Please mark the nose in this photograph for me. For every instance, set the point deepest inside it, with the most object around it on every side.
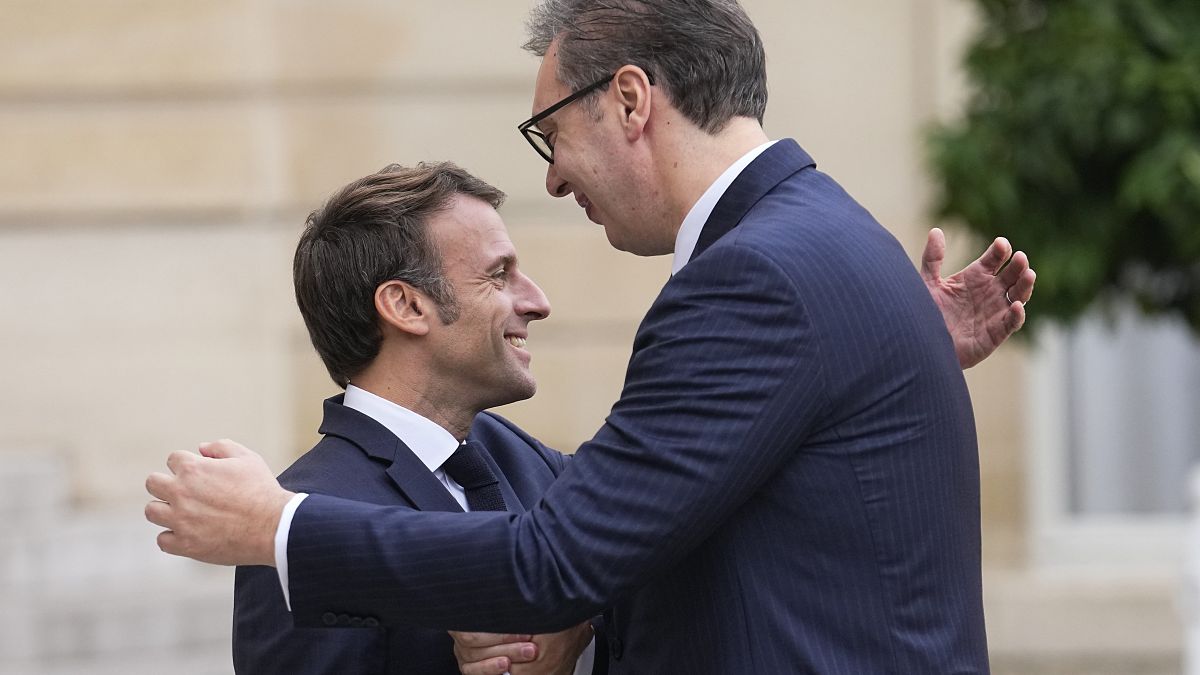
(532, 302)
(556, 186)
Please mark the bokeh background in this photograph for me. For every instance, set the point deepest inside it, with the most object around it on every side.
(157, 159)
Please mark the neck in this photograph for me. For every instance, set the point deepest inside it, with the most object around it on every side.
(694, 159)
(419, 396)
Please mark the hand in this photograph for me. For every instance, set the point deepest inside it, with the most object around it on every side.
(548, 654)
(491, 653)
(980, 307)
(557, 653)
(222, 507)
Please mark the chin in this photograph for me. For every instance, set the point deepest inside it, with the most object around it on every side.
(513, 393)
(638, 240)
(638, 248)
(614, 241)
(527, 391)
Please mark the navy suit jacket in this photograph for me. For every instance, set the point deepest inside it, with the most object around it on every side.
(358, 458)
(789, 482)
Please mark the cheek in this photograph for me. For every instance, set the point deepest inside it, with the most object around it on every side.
(579, 162)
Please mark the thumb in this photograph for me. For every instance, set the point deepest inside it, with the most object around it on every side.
(934, 254)
(225, 449)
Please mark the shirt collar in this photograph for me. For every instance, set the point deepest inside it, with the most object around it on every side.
(689, 232)
(432, 444)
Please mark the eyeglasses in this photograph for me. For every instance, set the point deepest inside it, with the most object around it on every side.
(536, 138)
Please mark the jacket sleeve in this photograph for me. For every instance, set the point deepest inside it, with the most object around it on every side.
(265, 641)
(724, 383)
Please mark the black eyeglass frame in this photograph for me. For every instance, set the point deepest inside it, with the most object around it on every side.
(527, 127)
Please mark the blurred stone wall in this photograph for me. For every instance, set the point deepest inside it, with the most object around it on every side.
(157, 159)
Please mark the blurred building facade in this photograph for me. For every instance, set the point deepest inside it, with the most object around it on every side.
(158, 161)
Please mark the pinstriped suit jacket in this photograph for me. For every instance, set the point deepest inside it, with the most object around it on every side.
(788, 484)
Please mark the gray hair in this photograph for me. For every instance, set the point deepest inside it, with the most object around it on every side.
(706, 55)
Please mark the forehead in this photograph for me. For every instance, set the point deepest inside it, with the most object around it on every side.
(547, 88)
(469, 233)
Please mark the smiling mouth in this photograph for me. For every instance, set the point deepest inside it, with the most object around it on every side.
(515, 341)
(586, 205)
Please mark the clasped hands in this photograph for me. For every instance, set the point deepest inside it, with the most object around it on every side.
(494, 654)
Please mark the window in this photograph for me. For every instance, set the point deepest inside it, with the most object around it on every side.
(1114, 432)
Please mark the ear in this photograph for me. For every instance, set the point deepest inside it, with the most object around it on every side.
(403, 308)
(633, 91)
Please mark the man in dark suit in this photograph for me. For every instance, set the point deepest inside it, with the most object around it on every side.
(789, 482)
(389, 273)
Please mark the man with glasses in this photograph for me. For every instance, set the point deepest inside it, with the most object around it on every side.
(541, 142)
(789, 482)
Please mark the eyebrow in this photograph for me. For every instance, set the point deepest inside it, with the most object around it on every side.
(506, 260)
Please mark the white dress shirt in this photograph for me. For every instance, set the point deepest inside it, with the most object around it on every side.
(432, 444)
(689, 231)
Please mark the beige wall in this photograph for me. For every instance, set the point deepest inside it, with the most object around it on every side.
(159, 157)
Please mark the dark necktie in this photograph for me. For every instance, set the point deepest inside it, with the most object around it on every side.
(469, 469)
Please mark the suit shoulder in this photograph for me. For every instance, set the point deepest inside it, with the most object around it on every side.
(499, 433)
(331, 467)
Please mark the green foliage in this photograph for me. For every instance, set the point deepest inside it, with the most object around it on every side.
(1081, 143)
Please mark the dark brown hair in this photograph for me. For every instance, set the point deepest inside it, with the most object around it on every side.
(369, 232)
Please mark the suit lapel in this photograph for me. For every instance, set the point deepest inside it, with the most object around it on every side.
(769, 169)
(410, 475)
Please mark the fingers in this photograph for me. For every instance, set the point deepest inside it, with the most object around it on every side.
(479, 653)
(935, 253)
(168, 543)
(476, 640)
(1014, 318)
(224, 449)
(496, 666)
(996, 255)
(1018, 280)
(160, 486)
(1022, 289)
(159, 513)
(1015, 268)
(179, 459)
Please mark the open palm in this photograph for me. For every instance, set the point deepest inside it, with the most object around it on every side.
(982, 304)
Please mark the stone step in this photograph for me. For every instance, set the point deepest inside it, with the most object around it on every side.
(120, 618)
(202, 662)
(89, 592)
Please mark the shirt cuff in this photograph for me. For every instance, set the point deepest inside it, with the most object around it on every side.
(281, 542)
